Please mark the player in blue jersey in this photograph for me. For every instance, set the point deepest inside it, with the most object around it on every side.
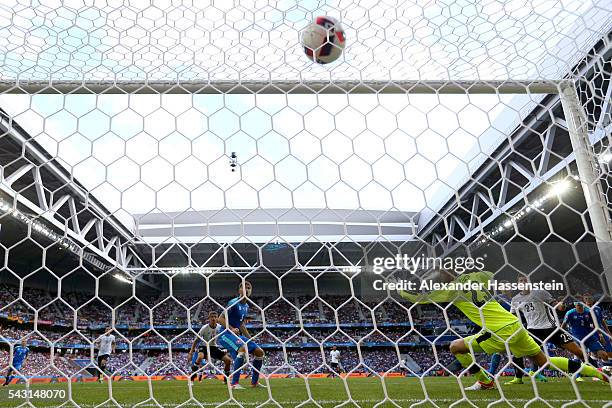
(606, 336)
(236, 339)
(20, 353)
(582, 327)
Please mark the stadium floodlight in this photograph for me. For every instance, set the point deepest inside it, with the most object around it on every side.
(193, 271)
(557, 189)
(4, 206)
(122, 278)
(605, 158)
(36, 225)
(349, 269)
(560, 187)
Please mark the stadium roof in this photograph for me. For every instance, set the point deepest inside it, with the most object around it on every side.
(292, 224)
(142, 160)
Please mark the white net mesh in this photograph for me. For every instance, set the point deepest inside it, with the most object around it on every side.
(250, 41)
(155, 156)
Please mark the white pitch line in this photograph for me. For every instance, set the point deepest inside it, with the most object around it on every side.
(339, 402)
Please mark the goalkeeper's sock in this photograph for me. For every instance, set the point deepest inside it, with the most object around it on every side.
(454, 366)
(519, 367)
(238, 362)
(226, 376)
(467, 361)
(593, 362)
(257, 364)
(572, 366)
(494, 364)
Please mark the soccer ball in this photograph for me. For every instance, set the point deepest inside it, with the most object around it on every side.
(323, 40)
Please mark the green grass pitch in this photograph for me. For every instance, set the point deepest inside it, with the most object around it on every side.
(365, 392)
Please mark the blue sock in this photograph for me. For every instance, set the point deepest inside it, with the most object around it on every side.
(9, 376)
(257, 363)
(238, 362)
(495, 360)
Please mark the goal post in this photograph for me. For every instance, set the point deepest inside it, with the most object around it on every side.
(587, 164)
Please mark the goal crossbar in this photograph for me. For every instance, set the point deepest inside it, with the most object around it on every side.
(283, 87)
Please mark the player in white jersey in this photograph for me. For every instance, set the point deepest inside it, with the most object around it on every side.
(208, 336)
(539, 314)
(334, 356)
(106, 348)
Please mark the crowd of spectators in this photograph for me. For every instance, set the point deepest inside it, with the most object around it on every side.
(56, 317)
(278, 310)
(41, 364)
(179, 310)
(125, 364)
(164, 310)
(46, 338)
(176, 363)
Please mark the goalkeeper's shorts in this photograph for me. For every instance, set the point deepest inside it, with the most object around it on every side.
(514, 335)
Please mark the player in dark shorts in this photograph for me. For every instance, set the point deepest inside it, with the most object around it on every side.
(215, 352)
(106, 347)
(208, 336)
(537, 307)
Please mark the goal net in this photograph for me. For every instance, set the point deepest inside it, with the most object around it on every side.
(172, 169)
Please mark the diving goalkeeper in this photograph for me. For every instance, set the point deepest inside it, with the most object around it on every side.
(499, 328)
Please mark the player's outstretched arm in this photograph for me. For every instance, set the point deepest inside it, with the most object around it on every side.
(600, 321)
(605, 329)
(245, 331)
(605, 326)
(565, 319)
(221, 320)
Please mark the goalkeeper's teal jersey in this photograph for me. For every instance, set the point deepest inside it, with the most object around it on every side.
(478, 305)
